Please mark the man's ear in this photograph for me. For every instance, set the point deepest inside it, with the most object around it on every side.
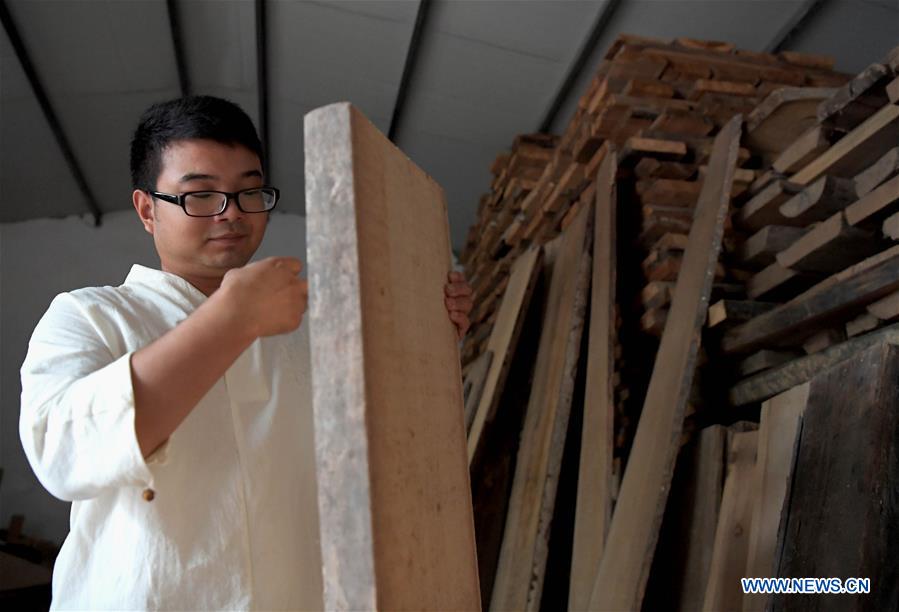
(143, 204)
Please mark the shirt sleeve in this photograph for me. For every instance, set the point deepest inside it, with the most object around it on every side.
(77, 417)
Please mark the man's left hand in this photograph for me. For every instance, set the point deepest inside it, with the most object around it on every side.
(458, 302)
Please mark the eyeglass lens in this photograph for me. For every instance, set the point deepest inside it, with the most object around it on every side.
(210, 203)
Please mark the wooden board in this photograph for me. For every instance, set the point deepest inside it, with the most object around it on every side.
(761, 248)
(818, 201)
(504, 339)
(842, 513)
(797, 371)
(764, 208)
(856, 150)
(633, 533)
(778, 427)
(783, 116)
(519, 578)
(884, 168)
(876, 205)
(830, 246)
(796, 319)
(594, 496)
(728, 565)
(684, 553)
(803, 150)
(473, 385)
(724, 314)
(397, 529)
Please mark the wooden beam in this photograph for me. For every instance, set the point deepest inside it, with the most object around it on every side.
(594, 497)
(762, 248)
(856, 150)
(795, 319)
(778, 428)
(397, 528)
(633, 533)
(43, 100)
(795, 372)
(803, 150)
(876, 205)
(399, 105)
(504, 340)
(522, 562)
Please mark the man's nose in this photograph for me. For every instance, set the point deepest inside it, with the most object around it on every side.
(232, 211)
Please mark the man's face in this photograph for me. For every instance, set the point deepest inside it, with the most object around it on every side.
(204, 247)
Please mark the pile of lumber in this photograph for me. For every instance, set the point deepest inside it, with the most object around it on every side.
(581, 249)
(820, 229)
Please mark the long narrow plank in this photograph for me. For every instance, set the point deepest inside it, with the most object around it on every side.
(504, 339)
(634, 530)
(732, 533)
(856, 145)
(842, 512)
(473, 385)
(397, 529)
(519, 578)
(832, 245)
(594, 497)
(795, 372)
(778, 427)
(808, 311)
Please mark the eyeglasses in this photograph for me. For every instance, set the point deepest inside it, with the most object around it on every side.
(212, 203)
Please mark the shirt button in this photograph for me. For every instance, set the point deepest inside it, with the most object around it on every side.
(149, 494)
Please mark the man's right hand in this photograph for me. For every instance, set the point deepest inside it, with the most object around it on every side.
(266, 297)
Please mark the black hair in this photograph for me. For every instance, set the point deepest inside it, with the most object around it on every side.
(191, 117)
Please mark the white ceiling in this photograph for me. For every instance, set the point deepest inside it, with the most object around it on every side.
(485, 71)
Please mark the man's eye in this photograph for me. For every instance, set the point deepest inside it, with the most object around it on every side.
(203, 196)
(252, 193)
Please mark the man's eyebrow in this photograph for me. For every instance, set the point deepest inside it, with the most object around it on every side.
(193, 176)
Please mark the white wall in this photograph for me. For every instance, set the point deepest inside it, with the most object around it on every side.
(38, 260)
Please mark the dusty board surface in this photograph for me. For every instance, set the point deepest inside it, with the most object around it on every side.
(394, 495)
(633, 533)
(594, 497)
(524, 550)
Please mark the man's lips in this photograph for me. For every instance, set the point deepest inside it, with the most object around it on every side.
(228, 238)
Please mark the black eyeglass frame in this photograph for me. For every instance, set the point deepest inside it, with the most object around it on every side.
(178, 199)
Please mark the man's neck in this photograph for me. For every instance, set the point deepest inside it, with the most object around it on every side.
(207, 285)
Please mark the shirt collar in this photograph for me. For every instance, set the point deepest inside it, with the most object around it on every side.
(164, 282)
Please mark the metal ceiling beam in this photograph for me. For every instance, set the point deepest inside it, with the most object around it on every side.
(424, 7)
(262, 80)
(178, 44)
(794, 25)
(49, 113)
(580, 62)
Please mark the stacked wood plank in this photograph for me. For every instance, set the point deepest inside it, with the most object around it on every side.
(630, 169)
(819, 237)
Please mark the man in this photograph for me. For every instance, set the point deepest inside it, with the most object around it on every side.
(174, 411)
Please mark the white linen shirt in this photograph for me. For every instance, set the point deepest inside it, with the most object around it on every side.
(233, 523)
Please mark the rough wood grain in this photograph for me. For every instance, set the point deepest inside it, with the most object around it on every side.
(783, 116)
(519, 578)
(842, 512)
(778, 426)
(594, 496)
(397, 529)
(633, 533)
